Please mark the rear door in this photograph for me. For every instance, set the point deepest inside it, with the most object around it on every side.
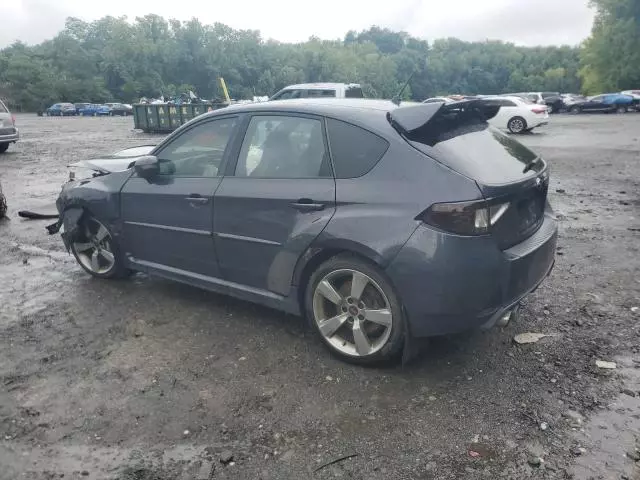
(168, 220)
(595, 104)
(275, 201)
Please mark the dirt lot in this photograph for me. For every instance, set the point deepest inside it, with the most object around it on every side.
(145, 379)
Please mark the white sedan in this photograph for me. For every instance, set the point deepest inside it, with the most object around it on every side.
(516, 114)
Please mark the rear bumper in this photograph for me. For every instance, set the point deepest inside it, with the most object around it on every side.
(11, 137)
(449, 284)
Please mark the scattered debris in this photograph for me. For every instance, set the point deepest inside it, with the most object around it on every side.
(629, 392)
(524, 338)
(474, 454)
(635, 309)
(337, 460)
(544, 426)
(560, 190)
(535, 461)
(579, 322)
(226, 457)
(634, 455)
(606, 365)
(186, 433)
(578, 451)
(575, 419)
(328, 378)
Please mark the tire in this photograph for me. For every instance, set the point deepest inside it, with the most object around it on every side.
(351, 335)
(621, 109)
(3, 206)
(94, 242)
(3, 147)
(551, 108)
(517, 125)
(575, 110)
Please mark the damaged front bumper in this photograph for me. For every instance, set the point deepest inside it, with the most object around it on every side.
(67, 225)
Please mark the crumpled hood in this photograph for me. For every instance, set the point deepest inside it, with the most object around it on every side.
(116, 162)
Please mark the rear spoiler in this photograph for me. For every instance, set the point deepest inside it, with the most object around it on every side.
(408, 120)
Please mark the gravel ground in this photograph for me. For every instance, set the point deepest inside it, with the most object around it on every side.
(149, 380)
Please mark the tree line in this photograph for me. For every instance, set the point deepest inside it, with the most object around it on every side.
(113, 59)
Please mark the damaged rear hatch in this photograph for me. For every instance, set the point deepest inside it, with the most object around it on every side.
(513, 179)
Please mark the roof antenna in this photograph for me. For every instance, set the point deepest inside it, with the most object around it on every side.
(398, 98)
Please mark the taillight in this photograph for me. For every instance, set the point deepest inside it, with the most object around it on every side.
(464, 218)
(539, 109)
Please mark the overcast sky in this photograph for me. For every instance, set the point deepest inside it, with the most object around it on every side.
(525, 22)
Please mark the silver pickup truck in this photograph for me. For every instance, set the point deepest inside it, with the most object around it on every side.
(320, 90)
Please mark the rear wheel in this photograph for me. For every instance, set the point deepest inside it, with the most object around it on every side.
(517, 125)
(551, 108)
(621, 109)
(3, 147)
(575, 110)
(355, 311)
(97, 251)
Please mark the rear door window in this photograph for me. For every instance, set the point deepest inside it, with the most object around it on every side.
(354, 92)
(355, 151)
(315, 93)
(3, 109)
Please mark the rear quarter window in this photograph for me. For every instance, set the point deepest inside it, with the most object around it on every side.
(355, 151)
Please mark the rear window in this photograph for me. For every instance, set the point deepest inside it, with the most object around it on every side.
(3, 109)
(473, 148)
(354, 92)
(315, 93)
(355, 151)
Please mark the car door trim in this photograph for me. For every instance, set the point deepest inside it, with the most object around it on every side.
(231, 236)
(169, 227)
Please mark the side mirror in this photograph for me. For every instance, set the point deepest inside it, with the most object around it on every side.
(147, 166)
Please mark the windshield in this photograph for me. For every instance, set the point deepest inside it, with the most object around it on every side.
(354, 92)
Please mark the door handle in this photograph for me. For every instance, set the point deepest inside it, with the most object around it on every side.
(197, 198)
(307, 205)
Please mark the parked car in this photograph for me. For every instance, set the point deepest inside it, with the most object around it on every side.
(515, 114)
(632, 93)
(570, 99)
(61, 110)
(120, 109)
(80, 107)
(608, 103)
(8, 131)
(314, 90)
(378, 223)
(553, 100)
(94, 110)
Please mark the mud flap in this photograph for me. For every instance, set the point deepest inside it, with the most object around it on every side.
(69, 219)
(410, 350)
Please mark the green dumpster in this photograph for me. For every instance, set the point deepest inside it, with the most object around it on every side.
(165, 118)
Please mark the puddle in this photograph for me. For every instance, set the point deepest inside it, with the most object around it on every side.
(612, 433)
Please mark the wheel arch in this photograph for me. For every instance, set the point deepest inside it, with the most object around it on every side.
(320, 253)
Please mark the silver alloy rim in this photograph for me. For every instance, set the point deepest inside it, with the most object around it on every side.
(352, 312)
(94, 248)
(516, 125)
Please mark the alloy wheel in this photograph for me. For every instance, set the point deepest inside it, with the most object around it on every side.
(352, 312)
(94, 247)
(516, 125)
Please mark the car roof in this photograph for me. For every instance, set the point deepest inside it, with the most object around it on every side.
(319, 86)
(507, 97)
(366, 112)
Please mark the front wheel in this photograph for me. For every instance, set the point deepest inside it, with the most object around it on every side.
(551, 108)
(575, 110)
(355, 311)
(517, 125)
(621, 109)
(96, 250)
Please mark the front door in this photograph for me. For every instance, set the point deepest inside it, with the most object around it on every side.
(280, 197)
(168, 220)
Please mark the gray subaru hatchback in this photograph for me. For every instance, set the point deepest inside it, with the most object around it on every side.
(379, 223)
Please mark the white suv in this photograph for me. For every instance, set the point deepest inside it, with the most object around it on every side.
(8, 131)
(320, 90)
